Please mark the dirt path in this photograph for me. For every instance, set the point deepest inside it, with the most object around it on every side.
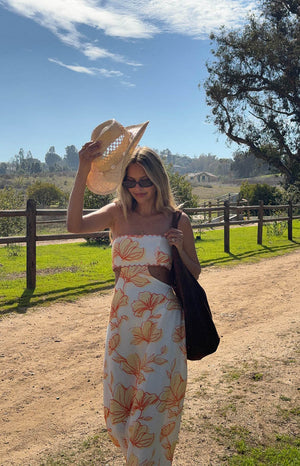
(51, 370)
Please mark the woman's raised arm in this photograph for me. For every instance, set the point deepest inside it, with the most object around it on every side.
(96, 221)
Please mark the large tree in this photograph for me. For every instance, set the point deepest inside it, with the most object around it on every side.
(253, 85)
(53, 160)
(71, 157)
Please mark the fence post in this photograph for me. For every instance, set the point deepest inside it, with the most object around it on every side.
(209, 212)
(260, 222)
(238, 211)
(31, 244)
(290, 221)
(226, 227)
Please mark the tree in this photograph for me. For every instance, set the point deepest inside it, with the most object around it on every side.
(3, 168)
(246, 165)
(182, 189)
(46, 194)
(253, 86)
(53, 160)
(28, 164)
(18, 160)
(71, 157)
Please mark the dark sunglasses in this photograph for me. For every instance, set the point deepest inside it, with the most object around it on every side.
(143, 183)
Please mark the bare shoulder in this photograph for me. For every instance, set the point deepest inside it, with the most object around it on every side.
(105, 217)
(113, 208)
(184, 221)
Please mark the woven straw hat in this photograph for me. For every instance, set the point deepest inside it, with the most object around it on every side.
(118, 144)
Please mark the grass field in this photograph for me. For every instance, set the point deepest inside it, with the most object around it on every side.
(68, 271)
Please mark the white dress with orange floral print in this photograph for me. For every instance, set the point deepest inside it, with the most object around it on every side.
(145, 367)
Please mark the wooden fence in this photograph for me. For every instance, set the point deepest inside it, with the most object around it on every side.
(226, 220)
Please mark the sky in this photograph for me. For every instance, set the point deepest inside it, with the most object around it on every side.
(69, 65)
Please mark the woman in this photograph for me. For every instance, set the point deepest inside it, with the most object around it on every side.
(145, 358)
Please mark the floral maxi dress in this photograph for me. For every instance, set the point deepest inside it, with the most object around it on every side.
(145, 368)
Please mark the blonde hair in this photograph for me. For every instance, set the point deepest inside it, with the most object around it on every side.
(156, 172)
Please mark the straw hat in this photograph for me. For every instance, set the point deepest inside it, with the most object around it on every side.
(118, 144)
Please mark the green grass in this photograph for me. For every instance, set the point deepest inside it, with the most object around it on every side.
(285, 453)
(64, 272)
(68, 271)
(243, 245)
(95, 450)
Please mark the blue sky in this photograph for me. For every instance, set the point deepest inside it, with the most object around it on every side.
(68, 65)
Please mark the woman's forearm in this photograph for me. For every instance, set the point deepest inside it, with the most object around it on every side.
(194, 268)
(75, 208)
(75, 221)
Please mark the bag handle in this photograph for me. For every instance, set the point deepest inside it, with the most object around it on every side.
(175, 218)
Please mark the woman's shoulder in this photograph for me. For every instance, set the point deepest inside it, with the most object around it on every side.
(113, 208)
(184, 220)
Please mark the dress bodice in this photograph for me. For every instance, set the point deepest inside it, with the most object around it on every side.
(131, 250)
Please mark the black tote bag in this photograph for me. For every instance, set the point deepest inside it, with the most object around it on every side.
(202, 337)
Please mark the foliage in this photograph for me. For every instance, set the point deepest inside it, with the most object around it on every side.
(270, 195)
(182, 189)
(204, 162)
(253, 86)
(71, 158)
(3, 168)
(26, 165)
(53, 160)
(96, 201)
(276, 228)
(10, 199)
(246, 165)
(46, 194)
(292, 193)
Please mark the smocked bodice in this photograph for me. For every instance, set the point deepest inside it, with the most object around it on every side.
(129, 250)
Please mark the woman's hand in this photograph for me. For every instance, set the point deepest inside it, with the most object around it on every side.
(89, 151)
(175, 238)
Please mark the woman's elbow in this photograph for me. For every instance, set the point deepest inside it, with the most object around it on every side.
(72, 228)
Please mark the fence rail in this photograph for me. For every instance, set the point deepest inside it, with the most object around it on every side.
(31, 213)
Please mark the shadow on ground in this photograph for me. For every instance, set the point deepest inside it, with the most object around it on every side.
(31, 298)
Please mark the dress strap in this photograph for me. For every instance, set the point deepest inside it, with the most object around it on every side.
(175, 218)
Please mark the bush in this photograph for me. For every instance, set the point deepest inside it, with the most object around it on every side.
(47, 194)
(96, 201)
(10, 199)
(270, 195)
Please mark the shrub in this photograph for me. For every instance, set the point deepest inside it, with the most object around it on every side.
(96, 201)
(10, 199)
(46, 194)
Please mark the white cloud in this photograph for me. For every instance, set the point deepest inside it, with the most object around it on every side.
(64, 18)
(77, 68)
(196, 18)
(94, 52)
(86, 70)
(132, 18)
(128, 19)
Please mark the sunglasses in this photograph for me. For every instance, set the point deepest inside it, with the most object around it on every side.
(143, 183)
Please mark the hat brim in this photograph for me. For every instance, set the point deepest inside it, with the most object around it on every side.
(100, 182)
